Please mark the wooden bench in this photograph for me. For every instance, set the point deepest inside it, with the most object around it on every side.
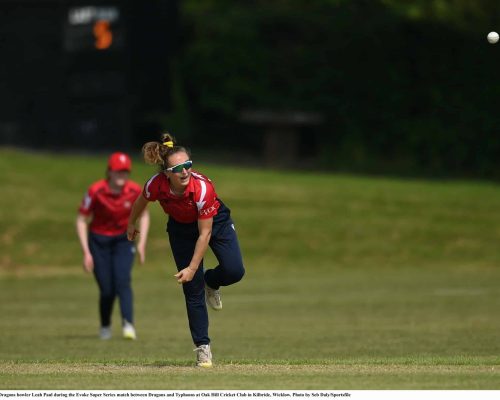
(281, 133)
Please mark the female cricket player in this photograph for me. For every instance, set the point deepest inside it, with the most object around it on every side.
(197, 219)
(101, 226)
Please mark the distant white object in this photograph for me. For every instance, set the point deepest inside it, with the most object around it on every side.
(492, 37)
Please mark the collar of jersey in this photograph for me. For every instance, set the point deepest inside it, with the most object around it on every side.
(107, 188)
(189, 189)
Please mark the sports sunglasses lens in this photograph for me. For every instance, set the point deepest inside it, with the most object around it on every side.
(179, 168)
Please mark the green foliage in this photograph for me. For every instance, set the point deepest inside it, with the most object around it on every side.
(250, 54)
(405, 87)
(463, 14)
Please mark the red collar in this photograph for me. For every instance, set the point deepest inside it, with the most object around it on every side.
(107, 188)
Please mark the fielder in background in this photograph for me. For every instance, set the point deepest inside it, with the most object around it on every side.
(197, 219)
(102, 229)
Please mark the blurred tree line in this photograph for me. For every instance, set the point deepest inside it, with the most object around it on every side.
(406, 88)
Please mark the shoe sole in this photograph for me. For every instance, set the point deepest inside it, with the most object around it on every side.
(204, 365)
(129, 337)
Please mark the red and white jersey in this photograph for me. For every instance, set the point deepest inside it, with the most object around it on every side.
(110, 211)
(198, 202)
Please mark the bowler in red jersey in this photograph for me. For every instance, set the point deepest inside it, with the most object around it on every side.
(101, 225)
(198, 219)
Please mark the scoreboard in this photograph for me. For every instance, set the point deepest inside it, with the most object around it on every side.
(89, 28)
(80, 74)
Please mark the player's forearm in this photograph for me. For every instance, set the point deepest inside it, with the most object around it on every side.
(138, 208)
(83, 233)
(144, 222)
(200, 249)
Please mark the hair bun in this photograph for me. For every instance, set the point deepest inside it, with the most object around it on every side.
(167, 137)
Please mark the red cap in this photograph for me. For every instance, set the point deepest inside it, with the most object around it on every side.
(119, 162)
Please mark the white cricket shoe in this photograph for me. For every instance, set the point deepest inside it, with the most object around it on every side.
(212, 297)
(203, 356)
(105, 333)
(129, 331)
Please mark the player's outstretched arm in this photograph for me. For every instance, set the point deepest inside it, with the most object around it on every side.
(137, 209)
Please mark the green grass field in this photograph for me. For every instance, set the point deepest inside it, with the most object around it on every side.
(352, 283)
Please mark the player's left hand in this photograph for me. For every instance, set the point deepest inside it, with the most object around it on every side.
(185, 275)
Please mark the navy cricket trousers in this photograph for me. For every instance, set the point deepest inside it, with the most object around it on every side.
(224, 244)
(113, 259)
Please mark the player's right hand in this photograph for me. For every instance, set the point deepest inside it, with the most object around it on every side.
(131, 232)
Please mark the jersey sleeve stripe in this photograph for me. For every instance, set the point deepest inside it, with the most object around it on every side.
(148, 194)
(87, 201)
(200, 203)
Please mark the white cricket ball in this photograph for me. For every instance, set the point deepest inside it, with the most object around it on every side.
(492, 37)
